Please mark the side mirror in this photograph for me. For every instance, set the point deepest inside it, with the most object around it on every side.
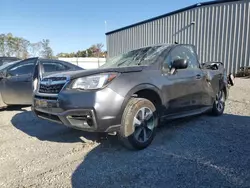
(180, 64)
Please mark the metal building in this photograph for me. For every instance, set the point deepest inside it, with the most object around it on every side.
(218, 29)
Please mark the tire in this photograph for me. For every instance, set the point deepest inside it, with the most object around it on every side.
(132, 131)
(219, 103)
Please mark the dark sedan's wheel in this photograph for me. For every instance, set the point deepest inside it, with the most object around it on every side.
(219, 103)
(139, 122)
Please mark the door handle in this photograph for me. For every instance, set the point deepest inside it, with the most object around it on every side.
(198, 76)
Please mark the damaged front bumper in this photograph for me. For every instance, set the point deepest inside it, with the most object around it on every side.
(97, 111)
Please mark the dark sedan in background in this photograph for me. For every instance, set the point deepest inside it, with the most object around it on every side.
(16, 78)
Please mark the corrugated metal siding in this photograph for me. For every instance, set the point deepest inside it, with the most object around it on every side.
(220, 33)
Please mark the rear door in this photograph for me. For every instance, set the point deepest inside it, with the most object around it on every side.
(17, 86)
(183, 88)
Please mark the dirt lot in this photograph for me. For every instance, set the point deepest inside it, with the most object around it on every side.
(198, 152)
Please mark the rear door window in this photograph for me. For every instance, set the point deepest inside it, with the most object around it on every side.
(54, 66)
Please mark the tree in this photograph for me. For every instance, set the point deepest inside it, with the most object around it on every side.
(95, 50)
(99, 47)
(47, 51)
(104, 54)
(36, 49)
(13, 46)
(22, 48)
(2, 44)
(9, 44)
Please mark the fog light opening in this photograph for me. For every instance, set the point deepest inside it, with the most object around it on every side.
(89, 120)
(81, 120)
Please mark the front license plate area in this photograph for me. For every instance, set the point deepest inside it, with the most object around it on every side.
(41, 103)
(45, 103)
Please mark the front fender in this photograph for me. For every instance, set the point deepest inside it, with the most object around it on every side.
(135, 89)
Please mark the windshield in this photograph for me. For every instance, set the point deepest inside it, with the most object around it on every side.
(142, 56)
(6, 65)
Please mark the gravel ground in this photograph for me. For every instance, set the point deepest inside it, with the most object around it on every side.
(196, 152)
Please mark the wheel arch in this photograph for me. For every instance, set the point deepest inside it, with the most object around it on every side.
(140, 88)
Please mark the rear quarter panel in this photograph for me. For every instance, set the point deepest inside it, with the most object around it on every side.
(217, 79)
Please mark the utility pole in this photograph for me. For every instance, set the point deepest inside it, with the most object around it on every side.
(105, 22)
(77, 59)
(106, 26)
(98, 58)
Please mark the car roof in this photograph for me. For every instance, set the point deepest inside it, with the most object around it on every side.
(5, 57)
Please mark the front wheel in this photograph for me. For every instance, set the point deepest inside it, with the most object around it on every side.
(219, 103)
(139, 122)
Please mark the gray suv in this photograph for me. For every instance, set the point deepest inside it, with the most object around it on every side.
(132, 92)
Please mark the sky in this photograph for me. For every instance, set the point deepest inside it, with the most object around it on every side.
(73, 25)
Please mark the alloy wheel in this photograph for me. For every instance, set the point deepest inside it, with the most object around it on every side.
(144, 124)
(220, 101)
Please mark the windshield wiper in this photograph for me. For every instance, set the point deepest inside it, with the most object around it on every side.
(119, 64)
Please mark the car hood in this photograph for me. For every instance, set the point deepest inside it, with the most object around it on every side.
(82, 73)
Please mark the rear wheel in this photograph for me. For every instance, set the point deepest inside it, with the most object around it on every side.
(219, 104)
(139, 122)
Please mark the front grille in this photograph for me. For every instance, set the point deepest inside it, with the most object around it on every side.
(52, 85)
(50, 88)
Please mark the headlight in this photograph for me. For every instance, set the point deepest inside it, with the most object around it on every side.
(94, 81)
